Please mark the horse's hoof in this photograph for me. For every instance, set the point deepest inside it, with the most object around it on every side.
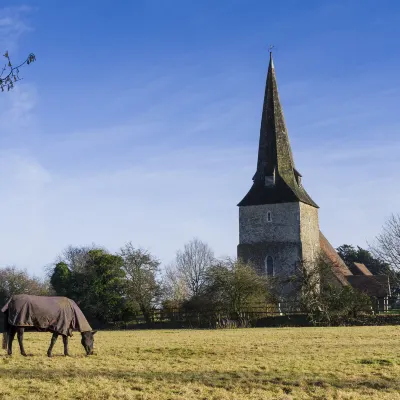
(49, 355)
(24, 354)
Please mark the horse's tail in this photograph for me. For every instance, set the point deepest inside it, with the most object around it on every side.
(5, 332)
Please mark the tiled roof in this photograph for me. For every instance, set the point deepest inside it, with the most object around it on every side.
(339, 268)
(359, 269)
(372, 285)
(358, 276)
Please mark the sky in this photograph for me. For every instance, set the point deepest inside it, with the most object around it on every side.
(140, 120)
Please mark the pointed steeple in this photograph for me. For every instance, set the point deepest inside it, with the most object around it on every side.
(276, 179)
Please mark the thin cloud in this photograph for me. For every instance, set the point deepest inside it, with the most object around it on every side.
(177, 160)
(13, 24)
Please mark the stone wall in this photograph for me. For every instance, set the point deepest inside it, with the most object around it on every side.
(309, 232)
(291, 235)
(284, 226)
(279, 238)
(284, 255)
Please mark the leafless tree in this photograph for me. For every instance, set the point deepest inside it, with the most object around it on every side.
(175, 290)
(323, 297)
(77, 257)
(192, 264)
(387, 243)
(9, 75)
(16, 281)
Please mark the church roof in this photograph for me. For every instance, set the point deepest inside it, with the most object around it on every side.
(275, 155)
(359, 269)
(339, 268)
(357, 276)
(372, 285)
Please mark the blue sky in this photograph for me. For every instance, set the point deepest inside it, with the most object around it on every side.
(140, 119)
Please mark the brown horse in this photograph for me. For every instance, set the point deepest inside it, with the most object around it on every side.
(58, 315)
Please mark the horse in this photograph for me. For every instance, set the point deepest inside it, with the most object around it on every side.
(58, 315)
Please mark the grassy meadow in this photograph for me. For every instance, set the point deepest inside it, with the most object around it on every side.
(285, 363)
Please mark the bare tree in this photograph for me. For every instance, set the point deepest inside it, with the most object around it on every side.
(193, 263)
(387, 244)
(10, 74)
(175, 290)
(386, 248)
(16, 281)
(322, 296)
(76, 257)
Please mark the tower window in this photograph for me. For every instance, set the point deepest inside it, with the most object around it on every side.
(269, 266)
(269, 216)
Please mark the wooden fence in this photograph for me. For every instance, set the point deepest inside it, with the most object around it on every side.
(286, 313)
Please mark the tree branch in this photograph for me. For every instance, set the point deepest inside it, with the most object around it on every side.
(13, 73)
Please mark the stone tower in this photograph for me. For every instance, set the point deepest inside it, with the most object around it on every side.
(278, 220)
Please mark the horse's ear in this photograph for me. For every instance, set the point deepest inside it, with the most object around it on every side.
(94, 332)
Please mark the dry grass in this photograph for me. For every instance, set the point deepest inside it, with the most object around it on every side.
(290, 363)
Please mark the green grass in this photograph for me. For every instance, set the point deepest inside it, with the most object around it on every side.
(287, 363)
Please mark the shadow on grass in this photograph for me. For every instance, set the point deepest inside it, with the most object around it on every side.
(243, 379)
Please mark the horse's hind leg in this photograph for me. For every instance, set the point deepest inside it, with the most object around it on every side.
(11, 336)
(52, 343)
(65, 341)
(20, 335)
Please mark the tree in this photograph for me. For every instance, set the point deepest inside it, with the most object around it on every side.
(174, 288)
(76, 257)
(387, 248)
(322, 297)
(93, 278)
(230, 291)
(101, 285)
(350, 255)
(236, 286)
(61, 279)
(10, 74)
(17, 281)
(141, 270)
(387, 243)
(193, 263)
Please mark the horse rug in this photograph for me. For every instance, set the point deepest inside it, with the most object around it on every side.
(56, 314)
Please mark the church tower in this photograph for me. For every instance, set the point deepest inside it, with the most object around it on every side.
(278, 220)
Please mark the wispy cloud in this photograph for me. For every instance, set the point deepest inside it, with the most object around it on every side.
(13, 24)
(175, 193)
(177, 154)
(356, 186)
(159, 205)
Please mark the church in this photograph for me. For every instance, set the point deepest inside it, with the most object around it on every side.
(278, 219)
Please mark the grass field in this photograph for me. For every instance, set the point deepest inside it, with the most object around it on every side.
(289, 363)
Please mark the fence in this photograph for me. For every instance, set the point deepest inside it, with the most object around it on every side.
(281, 314)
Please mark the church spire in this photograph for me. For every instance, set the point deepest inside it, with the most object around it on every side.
(276, 178)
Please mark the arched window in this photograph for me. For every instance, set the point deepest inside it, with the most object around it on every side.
(269, 266)
(269, 216)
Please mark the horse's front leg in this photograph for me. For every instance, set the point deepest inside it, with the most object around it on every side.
(65, 341)
(20, 335)
(11, 335)
(52, 343)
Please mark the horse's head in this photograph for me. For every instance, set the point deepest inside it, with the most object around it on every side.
(88, 341)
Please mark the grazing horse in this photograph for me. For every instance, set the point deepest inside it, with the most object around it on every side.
(58, 315)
